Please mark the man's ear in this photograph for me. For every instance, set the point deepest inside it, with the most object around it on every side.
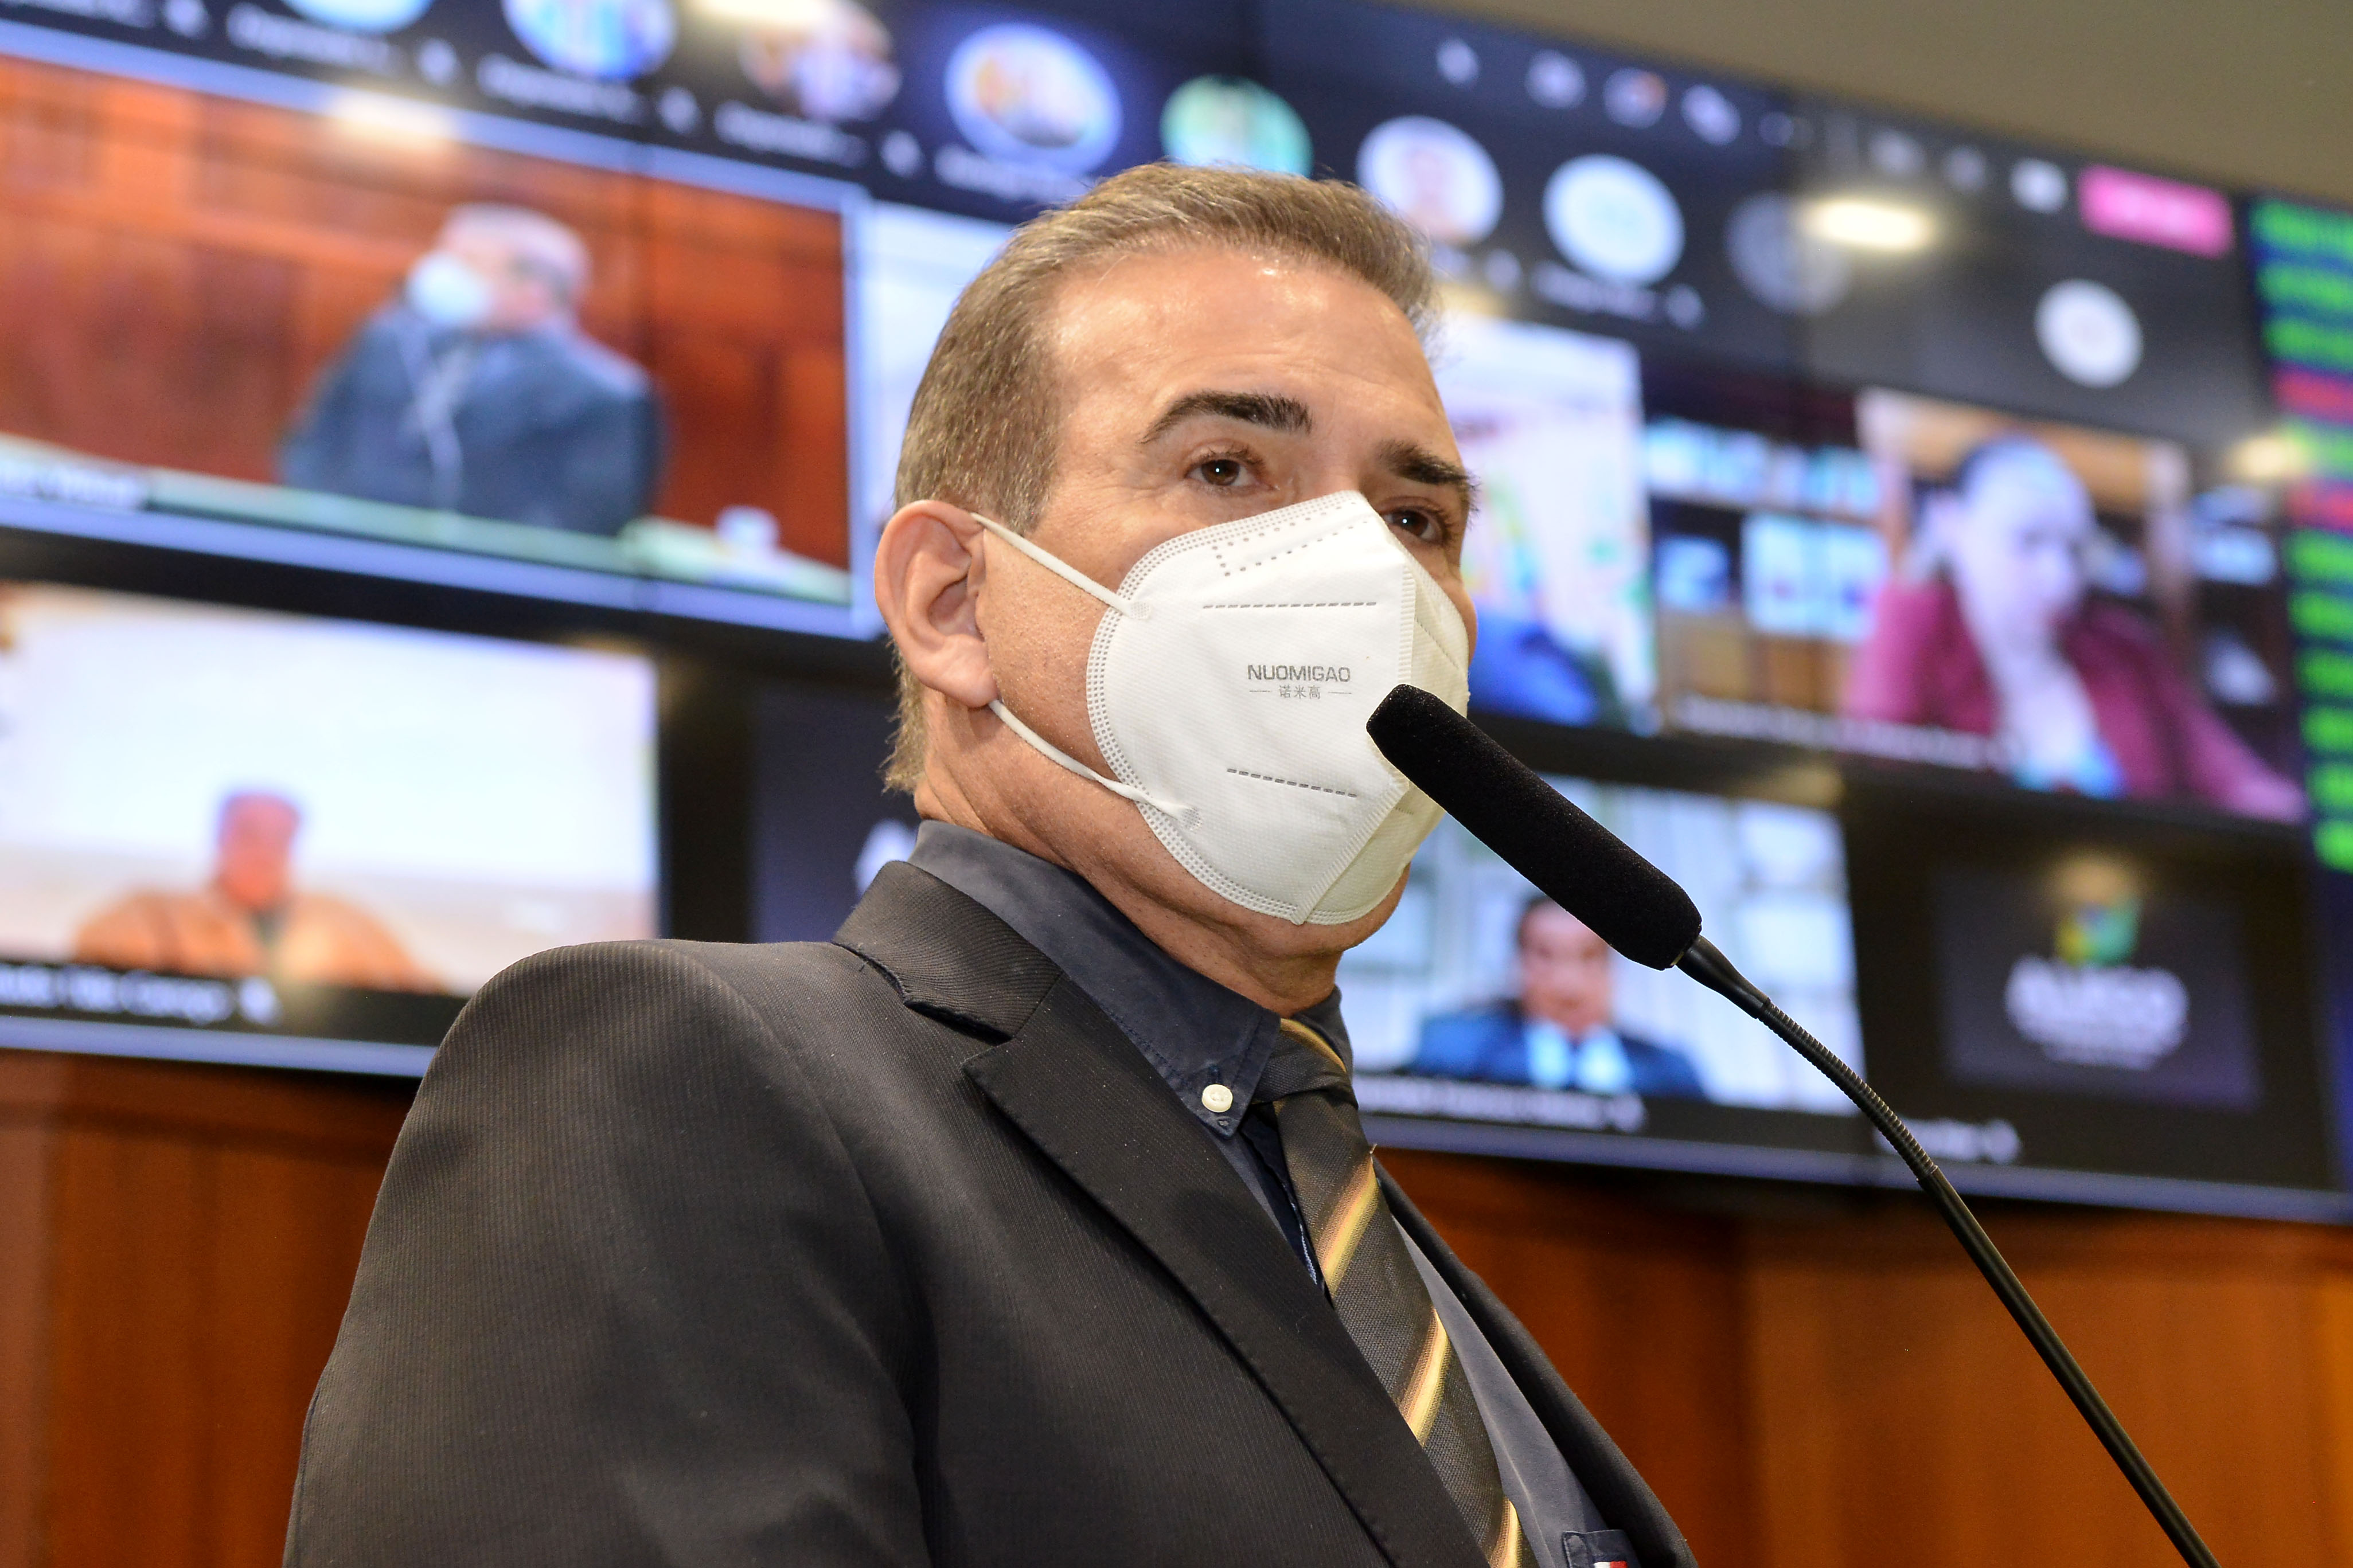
(928, 568)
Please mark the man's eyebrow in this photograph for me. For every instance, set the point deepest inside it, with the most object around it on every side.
(1270, 409)
(1420, 466)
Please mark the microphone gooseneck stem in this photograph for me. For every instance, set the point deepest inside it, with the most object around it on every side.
(1705, 964)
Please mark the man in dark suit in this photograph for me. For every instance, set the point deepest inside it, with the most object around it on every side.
(1561, 1030)
(1030, 1221)
(476, 391)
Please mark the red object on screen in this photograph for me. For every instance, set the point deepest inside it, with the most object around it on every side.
(2322, 503)
(2314, 394)
(1919, 666)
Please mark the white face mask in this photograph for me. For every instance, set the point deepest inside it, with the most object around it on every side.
(1229, 688)
(448, 294)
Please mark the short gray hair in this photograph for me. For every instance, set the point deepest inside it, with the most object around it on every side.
(548, 249)
(986, 428)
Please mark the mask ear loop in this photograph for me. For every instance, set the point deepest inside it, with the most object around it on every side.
(1062, 569)
(1182, 812)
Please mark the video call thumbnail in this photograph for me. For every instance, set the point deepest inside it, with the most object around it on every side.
(1482, 1000)
(225, 817)
(2085, 612)
(1007, 112)
(412, 338)
(1557, 560)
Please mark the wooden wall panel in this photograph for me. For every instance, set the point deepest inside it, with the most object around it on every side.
(1900, 1411)
(176, 1245)
(1841, 1389)
(25, 1235)
(176, 271)
(283, 1223)
(130, 1441)
(2333, 1358)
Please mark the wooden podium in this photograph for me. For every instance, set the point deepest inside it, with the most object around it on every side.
(176, 1245)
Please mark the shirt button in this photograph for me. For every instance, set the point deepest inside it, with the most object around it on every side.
(1218, 1097)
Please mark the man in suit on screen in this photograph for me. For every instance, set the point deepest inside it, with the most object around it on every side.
(477, 392)
(1561, 1031)
(1031, 1220)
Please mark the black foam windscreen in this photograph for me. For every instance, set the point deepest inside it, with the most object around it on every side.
(1574, 861)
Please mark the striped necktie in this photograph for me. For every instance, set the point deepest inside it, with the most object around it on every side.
(1376, 1288)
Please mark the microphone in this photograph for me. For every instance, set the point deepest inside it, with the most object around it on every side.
(1573, 860)
(1640, 911)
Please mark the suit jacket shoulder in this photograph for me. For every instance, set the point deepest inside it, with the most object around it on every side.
(618, 1242)
(1478, 1042)
(1661, 1070)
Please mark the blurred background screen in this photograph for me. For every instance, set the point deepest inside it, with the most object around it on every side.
(234, 836)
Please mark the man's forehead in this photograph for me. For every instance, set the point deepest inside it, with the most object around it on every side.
(1212, 315)
(1553, 921)
(260, 810)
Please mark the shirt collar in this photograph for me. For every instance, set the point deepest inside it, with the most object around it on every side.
(1193, 1031)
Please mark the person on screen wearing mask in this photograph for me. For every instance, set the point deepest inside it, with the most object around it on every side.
(1989, 630)
(251, 919)
(476, 391)
(1558, 1033)
(1031, 1220)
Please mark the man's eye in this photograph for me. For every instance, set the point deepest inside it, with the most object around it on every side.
(1222, 472)
(1426, 526)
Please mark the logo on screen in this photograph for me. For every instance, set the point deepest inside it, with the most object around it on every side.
(610, 41)
(827, 60)
(2087, 1005)
(1214, 120)
(1614, 219)
(1435, 176)
(1029, 95)
(363, 15)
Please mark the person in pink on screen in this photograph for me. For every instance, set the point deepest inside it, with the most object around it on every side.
(251, 919)
(1988, 629)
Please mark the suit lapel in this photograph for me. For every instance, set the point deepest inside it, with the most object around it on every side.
(1625, 1499)
(1080, 1091)
(950, 958)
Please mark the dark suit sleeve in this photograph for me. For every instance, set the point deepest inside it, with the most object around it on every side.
(1663, 1069)
(315, 454)
(1481, 1043)
(612, 464)
(623, 1301)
